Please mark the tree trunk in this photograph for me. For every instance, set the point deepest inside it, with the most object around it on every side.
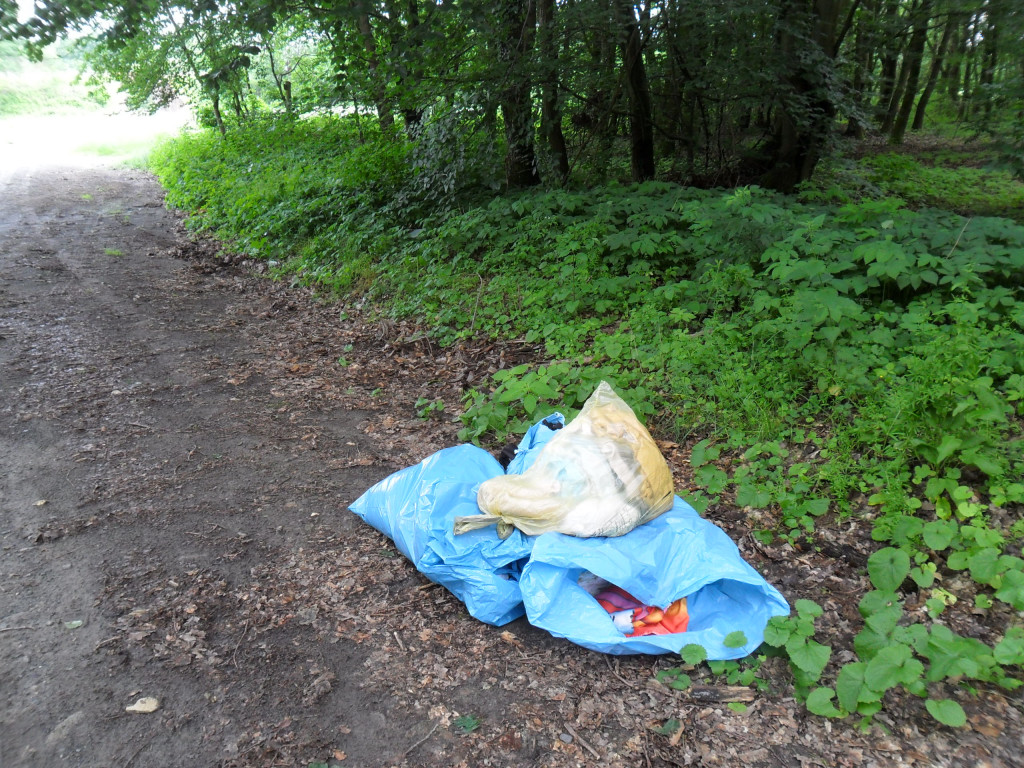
(938, 58)
(518, 19)
(795, 148)
(956, 60)
(406, 38)
(912, 62)
(215, 101)
(384, 115)
(641, 122)
(990, 58)
(964, 110)
(550, 111)
(284, 87)
(890, 63)
(863, 46)
(895, 99)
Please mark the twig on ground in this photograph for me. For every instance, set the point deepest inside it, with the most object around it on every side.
(245, 631)
(135, 754)
(582, 741)
(14, 629)
(410, 749)
(616, 673)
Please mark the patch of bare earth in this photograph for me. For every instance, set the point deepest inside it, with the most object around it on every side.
(180, 442)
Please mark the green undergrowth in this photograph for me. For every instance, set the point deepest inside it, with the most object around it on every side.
(48, 87)
(816, 355)
(970, 183)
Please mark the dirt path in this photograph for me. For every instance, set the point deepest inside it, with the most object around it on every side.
(148, 469)
(179, 441)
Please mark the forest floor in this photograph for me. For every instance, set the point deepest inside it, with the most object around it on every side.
(181, 437)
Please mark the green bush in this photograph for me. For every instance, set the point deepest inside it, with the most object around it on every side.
(831, 351)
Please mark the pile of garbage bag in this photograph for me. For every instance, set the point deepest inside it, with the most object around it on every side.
(582, 534)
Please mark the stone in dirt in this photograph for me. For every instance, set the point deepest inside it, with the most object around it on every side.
(144, 706)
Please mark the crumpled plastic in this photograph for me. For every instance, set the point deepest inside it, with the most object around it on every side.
(416, 507)
(602, 475)
(676, 555)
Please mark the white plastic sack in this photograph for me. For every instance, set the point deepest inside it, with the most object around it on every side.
(602, 475)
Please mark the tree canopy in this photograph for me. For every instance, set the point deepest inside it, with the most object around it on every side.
(709, 93)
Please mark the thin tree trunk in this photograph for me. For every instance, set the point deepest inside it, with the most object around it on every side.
(550, 111)
(912, 62)
(890, 64)
(215, 101)
(896, 99)
(938, 58)
(641, 122)
(284, 87)
(990, 58)
(863, 54)
(384, 115)
(796, 148)
(518, 25)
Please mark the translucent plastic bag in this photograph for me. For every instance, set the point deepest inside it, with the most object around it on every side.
(602, 475)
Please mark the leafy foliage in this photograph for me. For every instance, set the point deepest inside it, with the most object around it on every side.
(811, 354)
(47, 87)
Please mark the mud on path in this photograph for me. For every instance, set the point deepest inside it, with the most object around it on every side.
(173, 500)
(180, 438)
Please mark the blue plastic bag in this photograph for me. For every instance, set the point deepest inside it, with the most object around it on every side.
(678, 554)
(535, 438)
(416, 508)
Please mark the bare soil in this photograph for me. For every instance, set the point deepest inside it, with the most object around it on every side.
(180, 441)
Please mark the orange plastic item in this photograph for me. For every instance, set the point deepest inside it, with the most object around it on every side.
(646, 619)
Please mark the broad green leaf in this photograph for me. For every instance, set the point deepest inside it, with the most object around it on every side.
(892, 666)
(702, 453)
(887, 568)
(819, 702)
(867, 643)
(777, 631)
(947, 712)
(735, 639)
(1012, 590)
(751, 495)
(808, 655)
(923, 577)
(1010, 650)
(530, 404)
(984, 565)
(850, 687)
(946, 448)
(693, 653)
(885, 620)
(808, 608)
(875, 601)
(983, 461)
(939, 534)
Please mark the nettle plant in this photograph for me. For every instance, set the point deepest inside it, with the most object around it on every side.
(893, 653)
